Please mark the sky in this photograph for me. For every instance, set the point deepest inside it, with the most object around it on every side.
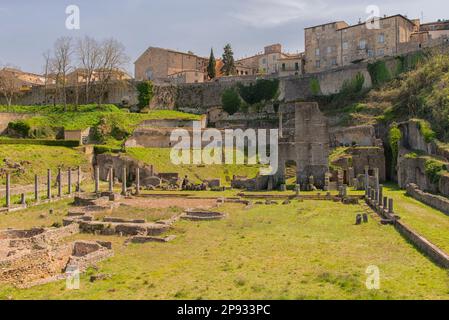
(28, 28)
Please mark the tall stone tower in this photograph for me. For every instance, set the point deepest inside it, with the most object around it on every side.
(305, 140)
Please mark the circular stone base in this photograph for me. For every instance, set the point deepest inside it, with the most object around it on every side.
(202, 215)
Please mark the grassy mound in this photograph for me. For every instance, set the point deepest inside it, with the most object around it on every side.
(36, 160)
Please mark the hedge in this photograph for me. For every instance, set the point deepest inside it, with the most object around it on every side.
(106, 149)
(53, 143)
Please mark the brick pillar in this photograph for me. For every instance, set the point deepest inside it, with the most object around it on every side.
(366, 180)
(8, 190)
(124, 181)
(69, 181)
(36, 188)
(137, 180)
(111, 180)
(390, 206)
(376, 176)
(381, 194)
(49, 195)
(59, 181)
(97, 179)
(78, 181)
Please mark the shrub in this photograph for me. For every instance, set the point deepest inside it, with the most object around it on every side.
(426, 131)
(379, 73)
(262, 90)
(394, 137)
(315, 87)
(353, 86)
(434, 170)
(20, 128)
(145, 96)
(231, 101)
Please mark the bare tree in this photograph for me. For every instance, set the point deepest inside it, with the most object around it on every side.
(10, 84)
(47, 70)
(89, 55)
(62, 64)
(112, 61)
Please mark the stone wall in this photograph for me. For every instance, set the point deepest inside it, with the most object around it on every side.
(360, 135)
(438, 202)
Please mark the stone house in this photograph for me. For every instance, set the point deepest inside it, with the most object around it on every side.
(158, 64)
(338, 44)
(267, 62)
(187, 76)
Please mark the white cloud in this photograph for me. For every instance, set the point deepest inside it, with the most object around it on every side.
(272, 13)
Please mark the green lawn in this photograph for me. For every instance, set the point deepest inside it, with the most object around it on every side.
(308, 250)
(160, 159)
(429, 222)
(40, 159)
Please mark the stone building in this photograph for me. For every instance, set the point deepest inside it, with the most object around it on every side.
(436, 29)
(267, 62)
(187, 76)
(338, 44)
(158, 64)
(290, 65)
(305, 141)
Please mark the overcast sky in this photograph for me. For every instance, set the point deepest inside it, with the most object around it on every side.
(29, 27)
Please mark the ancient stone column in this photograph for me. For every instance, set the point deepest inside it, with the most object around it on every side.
(69, 181)
(8, 189)
(97, 179)
(23, 201)
(59, 181)
(376, 177)
(124, 181)
(297, 190)
(344, 190)
(49, 184)
(390, 206)
(366, 180)
(385, 203)
(36, 188)
(351, 176)
(368, 193)
(111, 180)
(137, 180)
(280, 124)
(380, 195)
(78, 181)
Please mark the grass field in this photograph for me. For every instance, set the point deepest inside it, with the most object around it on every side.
(431, 223)
(40, 159)
(305, 250)
(160, 158)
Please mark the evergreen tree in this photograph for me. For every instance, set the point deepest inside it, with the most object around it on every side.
(212, 64)
(228, 68)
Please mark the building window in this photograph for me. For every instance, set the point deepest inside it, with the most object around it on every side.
(381, 52)
(329, 50)
(382, 38)
(283, 67)
(362, 44)
(345, 45)
(318, 64)
(317, 51)
(370, 53)
(333, 62)
(264, 61)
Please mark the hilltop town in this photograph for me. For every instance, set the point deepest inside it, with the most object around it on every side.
(357, 126)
